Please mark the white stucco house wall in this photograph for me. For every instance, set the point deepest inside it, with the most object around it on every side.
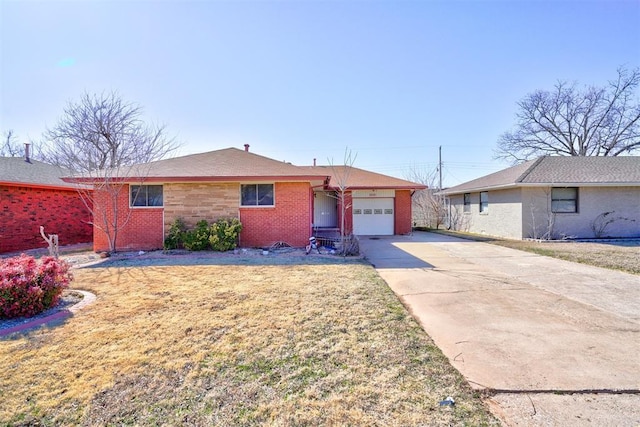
(552, 197)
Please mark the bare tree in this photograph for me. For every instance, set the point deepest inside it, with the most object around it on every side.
(102, 192)
(570, 121)
(458, 220)
(105, 142)
(340, 180)
(103, 131)
(429, 207)
(10, 146)
(543, 219)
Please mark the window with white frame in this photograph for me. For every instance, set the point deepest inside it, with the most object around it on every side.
(145, 196)
(256, 195)
(564, 200)
(484, 201)
(467, 202)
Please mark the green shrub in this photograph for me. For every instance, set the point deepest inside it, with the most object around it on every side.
(224, 234)
(28, 287)
(198, 238)
(175, 237)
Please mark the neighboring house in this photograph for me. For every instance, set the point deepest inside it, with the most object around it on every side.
(32, 194)
(275, 201)
(552, 198)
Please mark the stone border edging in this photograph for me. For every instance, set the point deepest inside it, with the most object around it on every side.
(87, 298)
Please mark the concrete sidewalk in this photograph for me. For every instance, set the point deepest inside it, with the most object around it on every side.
(515, 323)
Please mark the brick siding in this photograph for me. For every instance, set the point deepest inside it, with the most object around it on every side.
(403, 212)
(288, 221)
(348, 212)
(138, 228)
(198, 201)
(24, 209)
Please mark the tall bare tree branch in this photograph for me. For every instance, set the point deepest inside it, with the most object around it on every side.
(10, 146)
(105, 142)
(341, 182)
(569, 121)
(103, 131)
(429, 208)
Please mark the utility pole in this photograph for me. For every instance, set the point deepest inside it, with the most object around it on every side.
(440, 167)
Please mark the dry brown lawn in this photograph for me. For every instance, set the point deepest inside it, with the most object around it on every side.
(208, 345)
(623, 255)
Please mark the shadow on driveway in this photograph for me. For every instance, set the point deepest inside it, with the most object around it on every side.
(387, 254)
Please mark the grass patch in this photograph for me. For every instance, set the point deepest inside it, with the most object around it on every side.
(234, 345)
(622, 255)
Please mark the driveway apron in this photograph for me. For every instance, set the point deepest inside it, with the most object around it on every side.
(519, 323)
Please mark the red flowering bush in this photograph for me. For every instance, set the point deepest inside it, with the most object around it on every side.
(28, 287)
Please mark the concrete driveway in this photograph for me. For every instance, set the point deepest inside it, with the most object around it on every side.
(555, 342)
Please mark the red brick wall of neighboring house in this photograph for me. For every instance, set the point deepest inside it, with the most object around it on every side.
(139, 228)
(403, 212)
(348, 213)
(24, 209)
(288, 221)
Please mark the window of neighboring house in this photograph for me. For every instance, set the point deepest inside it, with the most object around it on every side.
(467, 202)
(564, 200)
(145, 195)
(256, 195)
(484, 201)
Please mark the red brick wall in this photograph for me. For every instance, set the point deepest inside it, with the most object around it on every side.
(24, 209)
(348, 213)
(403, 212)
(138, 228)
(288, 221)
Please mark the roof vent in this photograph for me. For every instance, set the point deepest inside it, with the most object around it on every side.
(246, 147)
(27, 157)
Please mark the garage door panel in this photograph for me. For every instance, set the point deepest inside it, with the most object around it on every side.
(373, 216)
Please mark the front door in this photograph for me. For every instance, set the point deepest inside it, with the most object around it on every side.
(325, 210)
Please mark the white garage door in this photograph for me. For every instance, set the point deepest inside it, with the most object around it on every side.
(373, 216)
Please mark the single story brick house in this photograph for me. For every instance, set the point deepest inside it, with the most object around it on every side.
(32, 194)
(275, 201)
(552, 197)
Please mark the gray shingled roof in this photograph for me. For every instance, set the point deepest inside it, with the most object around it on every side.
(360, 178)
(229, 162)
(225, 164)
(15, 170)
(559, 170)
(235, 164)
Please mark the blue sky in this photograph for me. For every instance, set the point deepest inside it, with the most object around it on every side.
(298, 80)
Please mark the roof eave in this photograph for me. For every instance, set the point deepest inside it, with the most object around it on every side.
(36, 185)
(239, 178)
(380, 187)
(581, 184)
(539, 184)
(478, 189)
